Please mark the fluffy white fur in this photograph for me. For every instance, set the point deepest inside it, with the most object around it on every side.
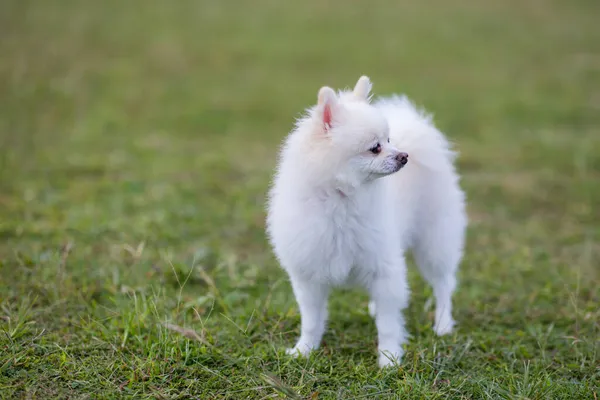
(339, 214)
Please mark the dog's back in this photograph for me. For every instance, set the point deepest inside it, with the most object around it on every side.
(431, 204)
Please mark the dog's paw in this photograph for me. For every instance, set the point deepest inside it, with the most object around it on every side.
(292, 351)
(444, 327)
(390, 358)
(298, 351)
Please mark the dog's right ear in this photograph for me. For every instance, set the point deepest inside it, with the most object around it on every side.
(327, 102)
(363, 88)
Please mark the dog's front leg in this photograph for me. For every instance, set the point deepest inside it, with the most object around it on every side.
(312, 301)
(389, 294)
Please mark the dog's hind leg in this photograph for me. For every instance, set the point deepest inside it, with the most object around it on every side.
(438, 251)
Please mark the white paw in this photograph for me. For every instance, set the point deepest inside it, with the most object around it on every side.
(372, 309)
(298, 351)
(390, 358)
(444, 326)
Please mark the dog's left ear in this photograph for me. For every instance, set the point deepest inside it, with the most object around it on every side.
(327, 102)
(363, 88)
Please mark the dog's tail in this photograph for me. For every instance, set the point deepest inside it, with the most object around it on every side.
(412, 131)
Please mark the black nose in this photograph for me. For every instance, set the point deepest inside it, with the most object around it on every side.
(402, 158)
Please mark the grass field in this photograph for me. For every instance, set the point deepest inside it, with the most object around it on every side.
(137, 144)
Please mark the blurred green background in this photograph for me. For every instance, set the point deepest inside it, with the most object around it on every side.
(137, 143)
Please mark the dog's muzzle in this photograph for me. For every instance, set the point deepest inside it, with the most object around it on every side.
(401, 159)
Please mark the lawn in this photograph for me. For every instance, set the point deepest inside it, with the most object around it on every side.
(137, 142)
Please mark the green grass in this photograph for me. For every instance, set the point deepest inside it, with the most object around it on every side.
(137, 144)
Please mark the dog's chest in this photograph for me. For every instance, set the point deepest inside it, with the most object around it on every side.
(342, 240)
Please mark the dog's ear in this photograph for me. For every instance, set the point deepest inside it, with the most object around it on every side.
(363, 88)
(327, 102)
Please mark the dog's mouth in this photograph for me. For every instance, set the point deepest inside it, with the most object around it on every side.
(397, 168)
(389, 171)
(391, 166)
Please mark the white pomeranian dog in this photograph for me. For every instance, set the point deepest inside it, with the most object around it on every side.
(357, 185)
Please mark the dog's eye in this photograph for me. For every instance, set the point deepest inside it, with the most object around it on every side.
(375, 149)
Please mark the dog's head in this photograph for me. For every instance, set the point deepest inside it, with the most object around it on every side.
(352, 137)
